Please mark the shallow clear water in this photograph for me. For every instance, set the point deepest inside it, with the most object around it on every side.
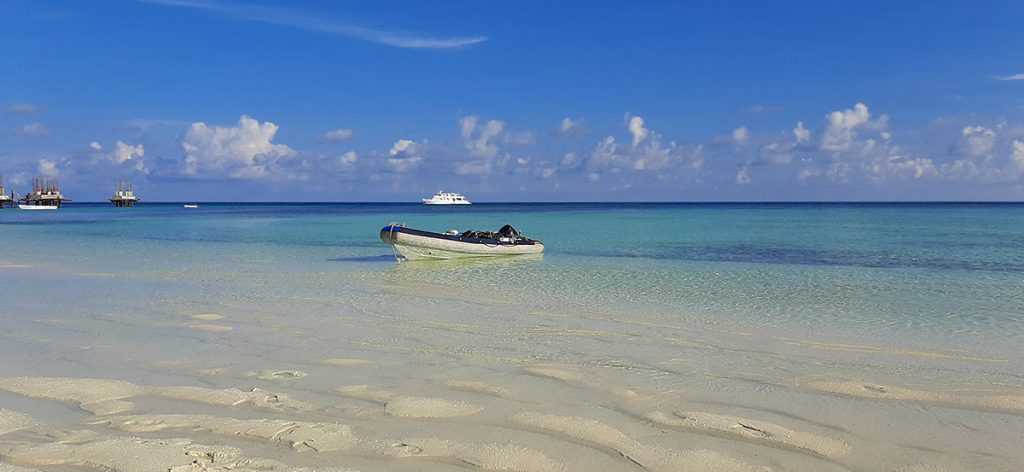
(929, 274)
(889, 333)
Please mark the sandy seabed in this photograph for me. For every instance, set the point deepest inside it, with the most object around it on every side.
(385, 377)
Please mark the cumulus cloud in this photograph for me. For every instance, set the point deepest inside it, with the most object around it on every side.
(570, 129)
(479, 138)
(841, 127)
(801, 134)
(636, 128)
(404, 155)
(1018, 154)
(24, 109)
(121, 153)
(742, 176)
(976, 141)
(348, 159)
(339, 135)
(244, 151)
(48, 168)
(33, 129)
(740, 135)
(646, 153)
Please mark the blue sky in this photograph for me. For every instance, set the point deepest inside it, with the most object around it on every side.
(515, 101)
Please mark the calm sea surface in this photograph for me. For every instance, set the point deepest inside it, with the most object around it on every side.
(920, 275)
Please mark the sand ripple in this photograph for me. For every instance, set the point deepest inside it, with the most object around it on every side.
(104, 397)
(757, 431)
(126, 454)
(1011, 403)
(13, 421)
(409, 406)
(646, 456)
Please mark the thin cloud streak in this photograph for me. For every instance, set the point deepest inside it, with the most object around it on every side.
(1011, 77)
(295, 19)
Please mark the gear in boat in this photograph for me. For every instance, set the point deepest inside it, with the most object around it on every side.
(417, 244)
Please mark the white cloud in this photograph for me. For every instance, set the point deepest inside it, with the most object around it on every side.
(315, 22)
(33, 129)
(570, 160)
(125, 152)
(24, 109)
(976, 141)
(570, 129)
(48, 168)
(479, 139)
(742, 177)
(244, 151)
(120, 154)
(404, 155)
(740, 135)
(1018, 154)
(842, 126)
(348, 159)
(339, 135)
(1011, 77)
(801, 134)
(636, 128)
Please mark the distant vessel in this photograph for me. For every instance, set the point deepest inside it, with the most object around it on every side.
(37, 207)
(45, 195)
(190, 205)
(5, 200)
(124, 195)
(446, 198)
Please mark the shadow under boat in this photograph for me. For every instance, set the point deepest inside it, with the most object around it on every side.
(491, 262)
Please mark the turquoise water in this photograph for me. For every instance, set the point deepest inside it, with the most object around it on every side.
(919, 275)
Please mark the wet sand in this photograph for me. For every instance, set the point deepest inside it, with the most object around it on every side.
(374, 377)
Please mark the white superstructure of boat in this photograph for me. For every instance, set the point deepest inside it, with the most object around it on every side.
(416, 244)
(190, 205)
(446, 198)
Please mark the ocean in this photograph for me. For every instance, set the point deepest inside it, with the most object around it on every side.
(793, 336)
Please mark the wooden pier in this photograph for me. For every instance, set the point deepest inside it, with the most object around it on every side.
(124, 195)
(45, 194)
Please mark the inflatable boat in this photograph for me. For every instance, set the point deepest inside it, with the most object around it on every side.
(416, 244)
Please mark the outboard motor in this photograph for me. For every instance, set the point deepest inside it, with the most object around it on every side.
(509, 231)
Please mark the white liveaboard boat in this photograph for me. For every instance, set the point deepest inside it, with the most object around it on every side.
(37, 207)
(446, 198)
(415, 244)
(190, 205)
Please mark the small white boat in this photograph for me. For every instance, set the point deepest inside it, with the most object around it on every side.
(415, 244)
(37, 207)
(190, 205)
(446, 198)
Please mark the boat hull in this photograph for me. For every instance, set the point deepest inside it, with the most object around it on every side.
(37, 207)
(419, 245)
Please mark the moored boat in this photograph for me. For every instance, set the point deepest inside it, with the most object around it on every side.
(37, 207)
(416, 244)
(446, 198)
